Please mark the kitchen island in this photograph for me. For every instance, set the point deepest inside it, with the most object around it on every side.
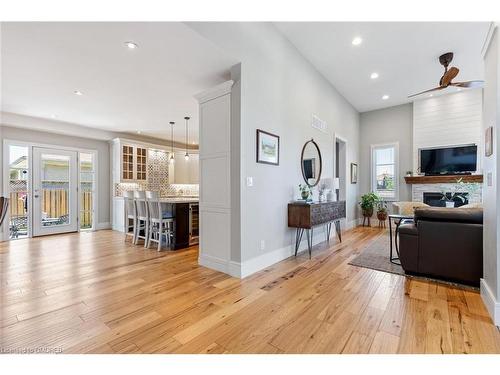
(185, 210)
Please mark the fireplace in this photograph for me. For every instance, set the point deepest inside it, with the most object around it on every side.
(436, 199)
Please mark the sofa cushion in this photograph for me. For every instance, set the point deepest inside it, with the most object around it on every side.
(466, 215)
(409, 228)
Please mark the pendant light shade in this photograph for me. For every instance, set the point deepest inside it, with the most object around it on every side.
(172, 159)
(186, 156)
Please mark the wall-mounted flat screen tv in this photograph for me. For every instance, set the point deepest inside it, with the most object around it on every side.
(448, 160)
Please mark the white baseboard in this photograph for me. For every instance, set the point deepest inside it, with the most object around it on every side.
(101, 226)
(250, 266)
(491, 303)
(221, 265)
(260, 262)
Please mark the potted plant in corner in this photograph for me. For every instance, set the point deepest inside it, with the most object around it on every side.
(367, 204)
(381, 212)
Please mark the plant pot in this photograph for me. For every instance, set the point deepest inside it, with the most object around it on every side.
(382, 215)
(450, 204)
(304, 195)
(368, 212)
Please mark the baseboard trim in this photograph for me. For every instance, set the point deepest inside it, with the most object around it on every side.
(101, 226)
(263, 261)
(221, 265)
(256, 264)
(491, 303)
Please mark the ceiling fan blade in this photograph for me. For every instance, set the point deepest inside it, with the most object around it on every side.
(468, 84)
(448, 76)
(423, 92)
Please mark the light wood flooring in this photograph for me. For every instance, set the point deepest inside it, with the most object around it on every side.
(96, 293)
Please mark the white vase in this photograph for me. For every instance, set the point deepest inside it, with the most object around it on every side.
(450, 204)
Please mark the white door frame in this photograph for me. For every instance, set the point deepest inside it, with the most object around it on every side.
(73, 198)
(30, 145)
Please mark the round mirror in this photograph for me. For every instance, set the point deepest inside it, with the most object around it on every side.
(311, 163)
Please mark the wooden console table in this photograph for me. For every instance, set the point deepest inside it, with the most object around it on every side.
(305, 216)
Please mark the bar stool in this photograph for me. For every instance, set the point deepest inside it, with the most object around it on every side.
(142, 222)
(161, 220)
(130, 214)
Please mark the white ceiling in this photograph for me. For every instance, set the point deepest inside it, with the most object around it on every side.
(405, 55)
(123, 90)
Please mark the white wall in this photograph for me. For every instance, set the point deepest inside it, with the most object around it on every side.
(387, 125)
(102, 147)
(490, 285)
(447, 120)
(280, 91)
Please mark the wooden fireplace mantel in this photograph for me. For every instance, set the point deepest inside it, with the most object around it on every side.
(443, 179)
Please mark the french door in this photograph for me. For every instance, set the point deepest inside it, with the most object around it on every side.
(55, 191)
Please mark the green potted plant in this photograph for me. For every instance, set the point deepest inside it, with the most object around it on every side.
(367, 204)
(382, 210)
(305, 191)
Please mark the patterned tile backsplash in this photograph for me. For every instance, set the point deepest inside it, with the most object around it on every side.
(158, 179)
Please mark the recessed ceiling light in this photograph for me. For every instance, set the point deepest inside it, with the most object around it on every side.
(138, 132)
(131, 45)
(79, 93)
(374, 75)
(431, 95)
(53, 116)
(459, 89)
(385, 97)
(357, 41)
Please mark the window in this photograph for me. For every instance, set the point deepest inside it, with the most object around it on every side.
(385, 181)
(87, 180)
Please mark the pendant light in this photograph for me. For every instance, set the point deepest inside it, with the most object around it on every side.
(172, 160)
(187, 155)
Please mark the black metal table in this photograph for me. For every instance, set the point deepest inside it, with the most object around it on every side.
(398, 219)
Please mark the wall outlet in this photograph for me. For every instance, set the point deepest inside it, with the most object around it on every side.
(262, 245)
(249, 181)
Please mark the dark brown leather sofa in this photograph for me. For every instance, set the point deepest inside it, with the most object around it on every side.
(444, 243)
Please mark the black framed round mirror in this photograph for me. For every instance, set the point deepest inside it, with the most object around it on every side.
(311, 163)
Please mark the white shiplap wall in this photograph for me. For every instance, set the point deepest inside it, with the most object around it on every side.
(448, 120)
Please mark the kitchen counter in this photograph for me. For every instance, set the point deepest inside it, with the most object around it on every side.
(174, 199)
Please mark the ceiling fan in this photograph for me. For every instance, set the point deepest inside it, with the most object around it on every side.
(449, 75)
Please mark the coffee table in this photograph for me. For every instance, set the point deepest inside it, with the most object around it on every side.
(398, 219)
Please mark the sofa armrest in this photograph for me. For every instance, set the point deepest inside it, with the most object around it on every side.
(408, 247)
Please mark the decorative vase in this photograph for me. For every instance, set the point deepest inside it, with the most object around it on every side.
(450, 204)
(304, 194)
(329, 196)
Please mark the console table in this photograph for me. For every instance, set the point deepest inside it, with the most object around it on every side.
(305, 216)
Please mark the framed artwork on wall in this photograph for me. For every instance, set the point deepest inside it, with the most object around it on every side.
(268, 148)
(354, 173)
(488, 141)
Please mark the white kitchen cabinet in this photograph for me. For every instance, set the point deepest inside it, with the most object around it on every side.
(129, 161)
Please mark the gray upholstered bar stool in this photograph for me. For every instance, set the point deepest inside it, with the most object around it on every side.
(130, 214)
(141, 208)
(161, 220)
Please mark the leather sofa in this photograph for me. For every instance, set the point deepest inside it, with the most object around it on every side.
(444, 243)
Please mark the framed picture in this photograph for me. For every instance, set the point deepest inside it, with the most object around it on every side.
(488, 141)
(268, 148)
(354, 173)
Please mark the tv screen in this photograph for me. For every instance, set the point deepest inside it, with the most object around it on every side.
(448, 160)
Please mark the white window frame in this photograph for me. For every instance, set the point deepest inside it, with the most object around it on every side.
(373, 184)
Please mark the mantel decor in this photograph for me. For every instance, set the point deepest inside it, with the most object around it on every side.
(268, 148)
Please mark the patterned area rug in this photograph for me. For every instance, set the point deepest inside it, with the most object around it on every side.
(376, 257)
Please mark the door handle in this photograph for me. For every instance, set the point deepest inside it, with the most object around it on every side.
(36, 195)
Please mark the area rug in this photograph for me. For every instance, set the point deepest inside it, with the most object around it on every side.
(376, 257)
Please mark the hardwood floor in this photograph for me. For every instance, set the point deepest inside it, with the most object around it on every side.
(95, 293)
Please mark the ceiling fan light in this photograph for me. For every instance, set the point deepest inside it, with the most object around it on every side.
(186, 156)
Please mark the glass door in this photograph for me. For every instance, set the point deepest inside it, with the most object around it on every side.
(55, 193)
